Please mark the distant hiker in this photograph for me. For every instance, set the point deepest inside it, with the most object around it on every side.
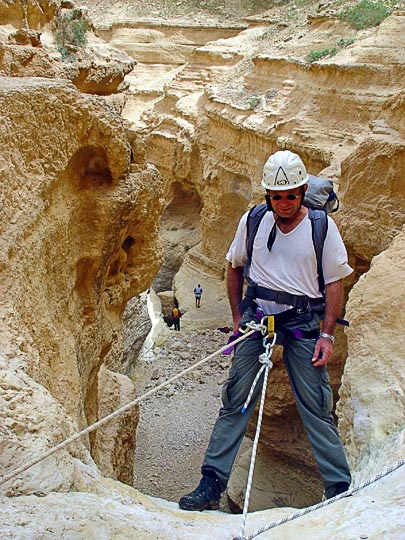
(176, 315)
(197, 293)
(282, 283)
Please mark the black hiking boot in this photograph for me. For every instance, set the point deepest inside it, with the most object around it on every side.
(206, 496)
(336, 489)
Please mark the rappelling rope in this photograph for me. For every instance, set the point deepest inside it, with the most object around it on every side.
(264, 358)
(309, 509)
(119, 411)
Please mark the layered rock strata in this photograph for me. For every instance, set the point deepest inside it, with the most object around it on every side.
(79, 237)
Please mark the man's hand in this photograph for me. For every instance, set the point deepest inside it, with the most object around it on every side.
(323, 351)
(333, 306)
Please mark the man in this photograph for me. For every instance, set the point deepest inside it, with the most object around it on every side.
(283, 260)
(197, 293)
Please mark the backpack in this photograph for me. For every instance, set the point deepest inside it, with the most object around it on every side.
(175, 312)
(320, 199)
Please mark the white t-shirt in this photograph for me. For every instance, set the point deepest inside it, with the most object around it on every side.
(290, 266)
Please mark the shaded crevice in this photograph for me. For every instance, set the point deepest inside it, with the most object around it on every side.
(89, 168)
(180, 231)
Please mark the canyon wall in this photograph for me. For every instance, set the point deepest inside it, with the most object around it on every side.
(80, 213)
(106, 178)
(210, 120)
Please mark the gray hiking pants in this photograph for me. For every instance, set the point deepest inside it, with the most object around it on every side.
(311, 390)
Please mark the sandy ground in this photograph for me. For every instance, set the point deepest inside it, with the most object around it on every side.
(176, 422)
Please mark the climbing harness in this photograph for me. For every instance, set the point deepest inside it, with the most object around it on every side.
(309, 509)
(117, 412)
(269, 341)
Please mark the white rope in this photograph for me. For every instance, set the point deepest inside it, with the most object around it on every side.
(117, 412)
(267, 365)
(309, 509)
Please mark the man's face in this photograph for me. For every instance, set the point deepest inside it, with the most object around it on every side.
(285, 203)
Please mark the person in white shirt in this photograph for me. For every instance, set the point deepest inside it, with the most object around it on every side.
(283, 266)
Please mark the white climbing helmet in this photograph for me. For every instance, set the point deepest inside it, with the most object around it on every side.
(284, 170)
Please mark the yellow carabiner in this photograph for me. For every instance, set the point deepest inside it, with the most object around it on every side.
(270, 326)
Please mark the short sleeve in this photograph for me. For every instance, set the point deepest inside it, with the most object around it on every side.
(237, 253)
(335, 262)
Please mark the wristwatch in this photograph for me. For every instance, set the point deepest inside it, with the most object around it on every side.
(328, 336)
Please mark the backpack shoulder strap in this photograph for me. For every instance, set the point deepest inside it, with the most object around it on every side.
(254, 218)
(319, 223)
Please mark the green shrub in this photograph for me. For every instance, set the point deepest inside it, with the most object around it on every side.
(365, 14)
(70, 31)
(254, 102)
(344, 42)
(313, 56)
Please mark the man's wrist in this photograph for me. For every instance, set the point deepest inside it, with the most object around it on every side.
(328, 336)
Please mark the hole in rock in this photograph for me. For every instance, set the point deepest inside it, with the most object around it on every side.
(89, 168)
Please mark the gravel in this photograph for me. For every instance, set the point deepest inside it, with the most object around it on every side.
(176, 421)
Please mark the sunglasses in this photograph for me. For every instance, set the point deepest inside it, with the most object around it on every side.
(290, 197)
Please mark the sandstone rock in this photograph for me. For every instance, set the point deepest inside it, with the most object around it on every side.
(167, 301)
(28, 13)
(277, 482)
(137, 325)
(113, 445)
(369, 413)
(25, 37)
(94, 69)
(32, 422)
(68, 183)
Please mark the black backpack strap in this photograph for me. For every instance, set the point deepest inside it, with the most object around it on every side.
(319, 222)
(254, 218)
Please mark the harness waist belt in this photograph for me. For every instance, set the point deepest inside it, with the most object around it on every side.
(254, 291)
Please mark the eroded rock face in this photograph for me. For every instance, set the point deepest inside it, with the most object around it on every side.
(73, 246)
(376, 357)
(276, 101)
(114, 446)
(79, 238)
(29, 48)
(28, 13)
(137, 325)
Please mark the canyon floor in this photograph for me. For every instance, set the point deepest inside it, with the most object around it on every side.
(176, 421)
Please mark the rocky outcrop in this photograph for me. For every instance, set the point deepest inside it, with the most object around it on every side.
(29, 47)
(113, 447)
(137, 325)
(73, 246)
(25, 14)
(372, 415)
